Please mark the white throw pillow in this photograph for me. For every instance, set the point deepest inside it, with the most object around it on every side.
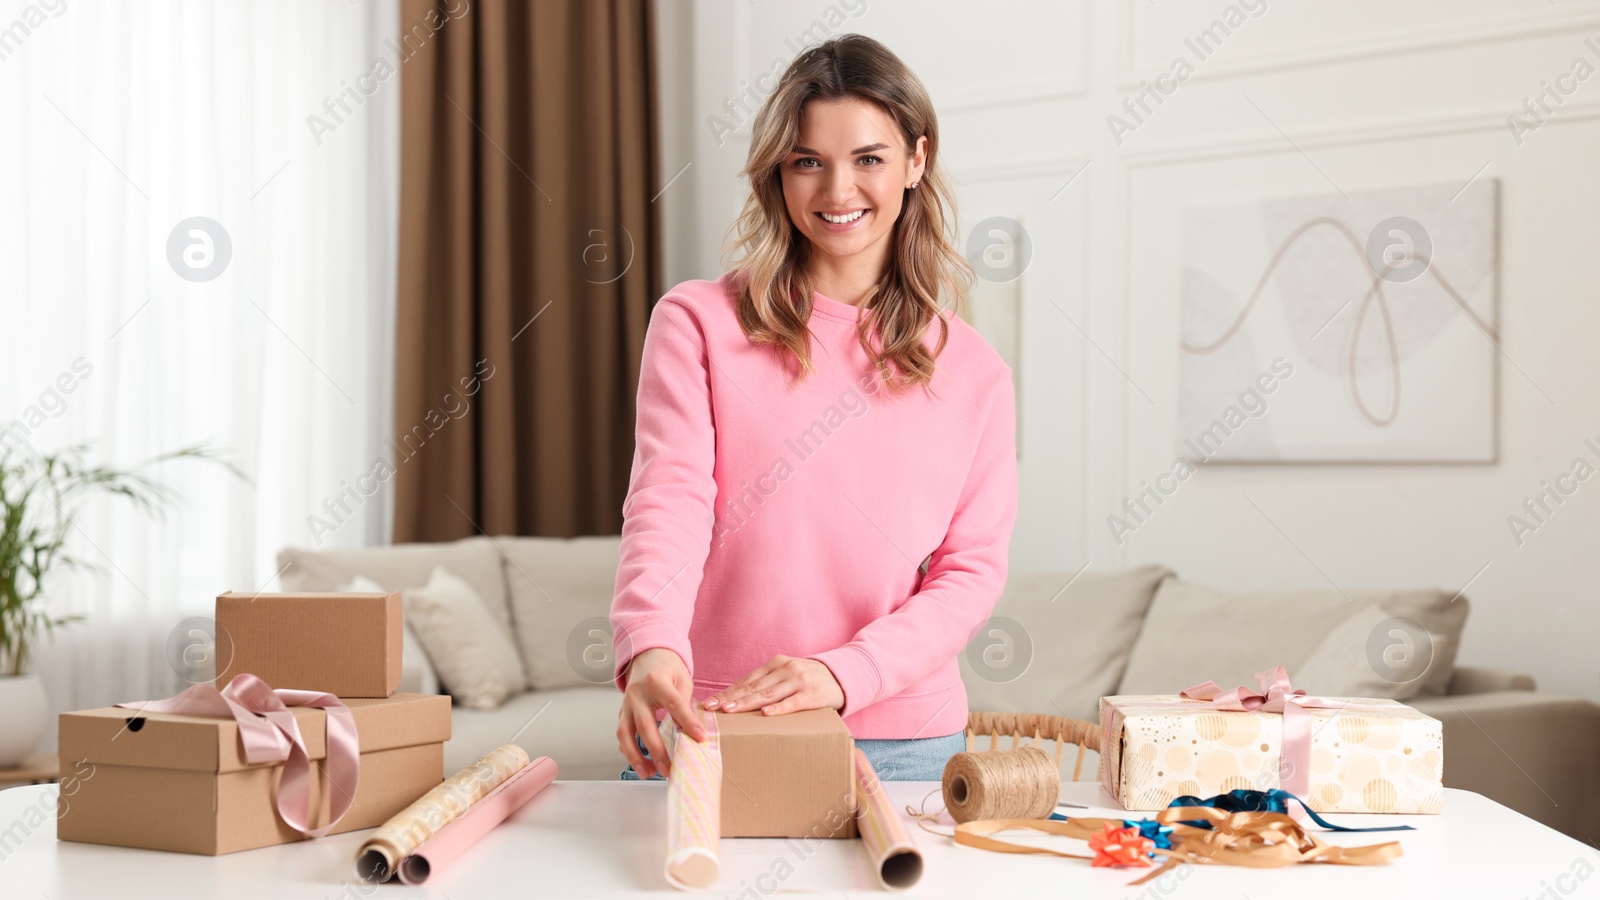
(475, 658)
(1375, 653)
(417, 675)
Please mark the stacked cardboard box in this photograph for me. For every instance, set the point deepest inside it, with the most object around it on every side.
(181, 782)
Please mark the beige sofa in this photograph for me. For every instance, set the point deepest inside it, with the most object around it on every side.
(1056, 643)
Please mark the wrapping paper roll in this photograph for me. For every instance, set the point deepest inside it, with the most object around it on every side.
(379, 857)
(458, 836)
(895, 858)
(694, 807)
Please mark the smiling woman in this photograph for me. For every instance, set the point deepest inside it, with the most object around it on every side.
(820, 600)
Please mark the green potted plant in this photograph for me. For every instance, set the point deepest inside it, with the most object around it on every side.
(40, 496)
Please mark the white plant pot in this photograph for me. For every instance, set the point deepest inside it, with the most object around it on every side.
(25, 712)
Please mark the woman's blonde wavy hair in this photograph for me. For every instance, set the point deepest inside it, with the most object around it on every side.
(771, 279)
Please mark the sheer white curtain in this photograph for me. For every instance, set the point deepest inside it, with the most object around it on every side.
(119, 121)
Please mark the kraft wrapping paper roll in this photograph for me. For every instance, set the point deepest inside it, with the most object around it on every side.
(895, 858)
(694, 807)
(456, 838)
(379, 857)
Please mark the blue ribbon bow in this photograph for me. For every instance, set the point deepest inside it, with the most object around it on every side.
(1158, 834)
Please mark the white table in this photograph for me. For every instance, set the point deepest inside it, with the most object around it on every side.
(604, 838)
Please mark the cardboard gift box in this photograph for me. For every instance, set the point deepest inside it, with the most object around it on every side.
(342, 643)
(787, 776)
(1365, 755)
(164, 781)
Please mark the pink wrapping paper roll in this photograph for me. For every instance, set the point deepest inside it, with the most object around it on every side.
(895, 859)
(458, 836)
(380, 855)
(694, 807)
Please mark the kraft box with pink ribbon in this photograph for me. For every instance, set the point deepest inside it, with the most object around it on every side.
(213, 772)
(1338, 754)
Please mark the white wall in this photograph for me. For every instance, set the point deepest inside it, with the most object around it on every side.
(1362, 95)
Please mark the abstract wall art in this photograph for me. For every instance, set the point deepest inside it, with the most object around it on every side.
(1382, 304)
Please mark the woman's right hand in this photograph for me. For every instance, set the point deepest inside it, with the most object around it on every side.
(657, 679)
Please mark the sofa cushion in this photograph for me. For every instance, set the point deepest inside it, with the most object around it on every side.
(474, 656)
(560, 591)
(1194, 634)
(576, 727)
(1079, 639)
(474, 560)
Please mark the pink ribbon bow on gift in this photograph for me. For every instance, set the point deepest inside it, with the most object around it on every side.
(1294, 760)
(270, 733)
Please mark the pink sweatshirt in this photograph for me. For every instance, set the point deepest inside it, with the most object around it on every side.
(762, 519)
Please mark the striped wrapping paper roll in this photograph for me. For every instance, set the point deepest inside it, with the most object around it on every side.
(894, 857)
(694, 807)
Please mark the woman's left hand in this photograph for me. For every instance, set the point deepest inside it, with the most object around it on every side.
(784, 684)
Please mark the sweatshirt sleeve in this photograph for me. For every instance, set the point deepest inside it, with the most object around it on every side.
(964, 579)
(668, 512)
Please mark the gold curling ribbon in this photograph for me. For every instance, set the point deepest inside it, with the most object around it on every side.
(1261, 840)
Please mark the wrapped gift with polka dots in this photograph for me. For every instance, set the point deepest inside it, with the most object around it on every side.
(1362, 755)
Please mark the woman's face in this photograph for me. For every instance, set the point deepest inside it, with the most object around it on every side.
(850, 164)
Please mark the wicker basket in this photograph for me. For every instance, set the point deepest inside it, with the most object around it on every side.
(1035, 727)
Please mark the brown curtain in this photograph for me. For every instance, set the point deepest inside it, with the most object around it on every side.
(528, 263)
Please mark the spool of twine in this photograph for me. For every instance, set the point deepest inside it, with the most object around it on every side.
(1001, 784)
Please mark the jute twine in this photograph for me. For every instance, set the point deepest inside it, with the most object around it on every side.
(1000, 784)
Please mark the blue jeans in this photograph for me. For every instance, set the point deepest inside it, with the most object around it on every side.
(913, 759)
(910, 759)
(629, 774)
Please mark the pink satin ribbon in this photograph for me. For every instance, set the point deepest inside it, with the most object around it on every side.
(1276, 696)
(270, 733)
